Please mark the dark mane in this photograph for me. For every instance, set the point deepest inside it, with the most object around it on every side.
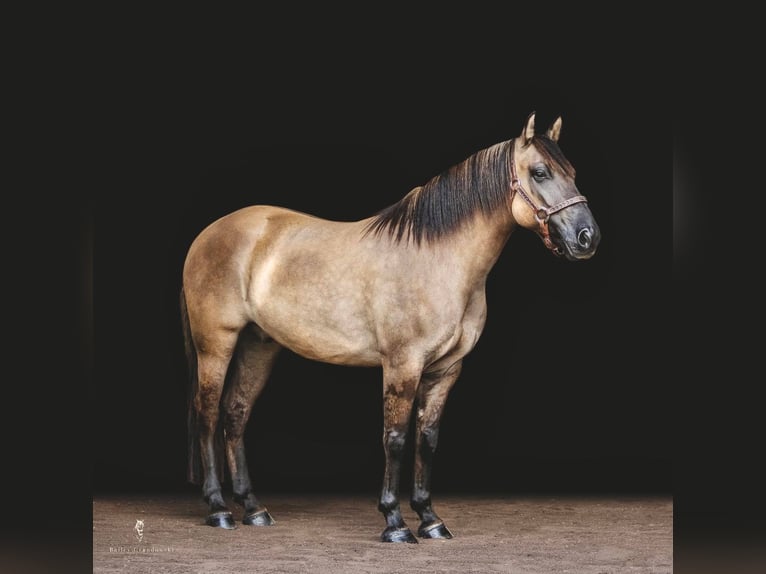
(479, 183)
(429, 212)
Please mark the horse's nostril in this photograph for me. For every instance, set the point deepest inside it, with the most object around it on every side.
(584, 237)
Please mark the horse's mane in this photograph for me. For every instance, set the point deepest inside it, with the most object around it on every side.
(480, 183)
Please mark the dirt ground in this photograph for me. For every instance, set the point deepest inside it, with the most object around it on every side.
(334, 534)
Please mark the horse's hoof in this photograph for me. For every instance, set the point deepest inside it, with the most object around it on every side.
(392, 534)
(434, 530)
(221, 519)
(260, 518)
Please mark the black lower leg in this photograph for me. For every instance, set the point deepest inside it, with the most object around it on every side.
(219, 514)
(421, 492)
(431, 526)
(249, 371)
(432, 396)
(256, 513)
(396, 529)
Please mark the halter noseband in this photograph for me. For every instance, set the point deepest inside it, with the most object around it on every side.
(542, 214)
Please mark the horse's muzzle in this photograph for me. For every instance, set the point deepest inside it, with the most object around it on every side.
(585, 242)
(579, 244)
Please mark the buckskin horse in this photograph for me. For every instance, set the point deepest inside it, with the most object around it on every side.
(403, 290)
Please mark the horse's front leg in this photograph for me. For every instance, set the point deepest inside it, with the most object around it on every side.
(432, 395)
(399, 387)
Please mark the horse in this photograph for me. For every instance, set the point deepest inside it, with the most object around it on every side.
(402, 290)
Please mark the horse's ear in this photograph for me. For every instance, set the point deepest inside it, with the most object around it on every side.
(555, 130)
(529, 129)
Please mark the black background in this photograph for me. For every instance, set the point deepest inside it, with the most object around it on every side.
(606, 372)
(565, 390)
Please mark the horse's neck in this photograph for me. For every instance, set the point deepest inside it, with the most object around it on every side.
(479, 243)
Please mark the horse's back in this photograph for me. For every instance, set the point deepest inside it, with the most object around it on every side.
(236, 244)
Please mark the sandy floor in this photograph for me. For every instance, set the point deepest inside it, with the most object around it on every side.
(339, 535)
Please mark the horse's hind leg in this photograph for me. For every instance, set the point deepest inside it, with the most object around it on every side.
(250, 370)
(432, 395)
(212, 364)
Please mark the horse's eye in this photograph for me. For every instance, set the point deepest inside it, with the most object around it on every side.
(538, 174)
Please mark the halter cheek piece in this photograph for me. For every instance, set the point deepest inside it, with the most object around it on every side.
(542, 214)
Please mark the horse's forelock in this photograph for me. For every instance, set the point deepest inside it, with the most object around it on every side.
(551, 151)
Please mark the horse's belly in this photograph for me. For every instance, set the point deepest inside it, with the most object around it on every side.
(326, 345)
(318, 328)
(313, 304)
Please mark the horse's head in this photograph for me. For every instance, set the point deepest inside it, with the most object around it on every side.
(545, 197)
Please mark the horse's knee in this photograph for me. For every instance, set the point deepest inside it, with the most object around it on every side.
(394, 442)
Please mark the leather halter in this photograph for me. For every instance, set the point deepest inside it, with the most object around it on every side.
(542, 214)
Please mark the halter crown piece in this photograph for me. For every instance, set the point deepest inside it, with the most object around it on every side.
(542, 214)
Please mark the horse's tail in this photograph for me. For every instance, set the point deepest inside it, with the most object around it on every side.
(194, 468)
